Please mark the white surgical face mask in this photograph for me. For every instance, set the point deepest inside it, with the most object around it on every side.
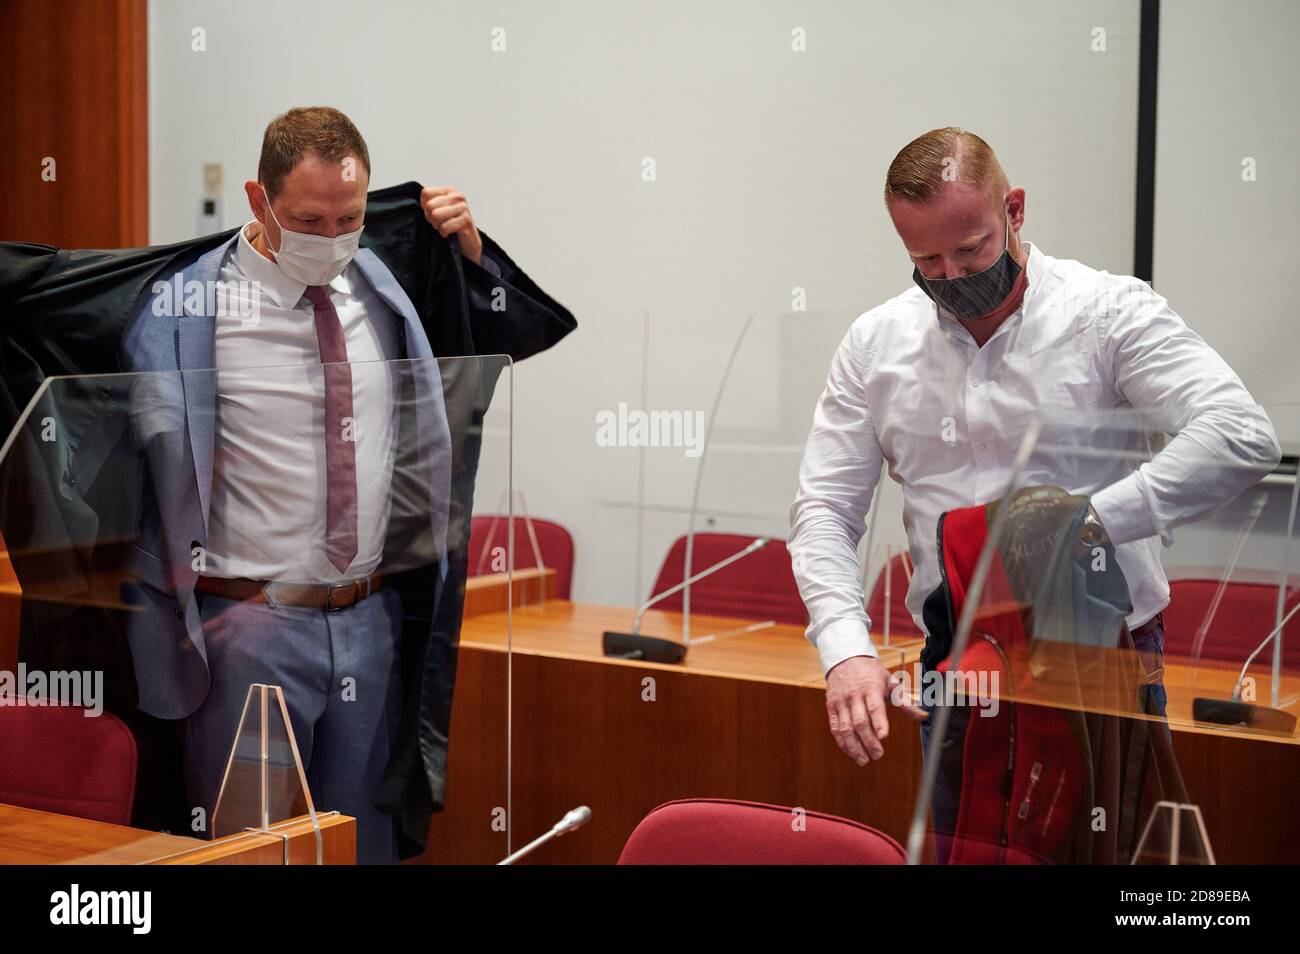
(312, 259)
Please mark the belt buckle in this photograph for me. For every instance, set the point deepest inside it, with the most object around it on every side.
(334, 588)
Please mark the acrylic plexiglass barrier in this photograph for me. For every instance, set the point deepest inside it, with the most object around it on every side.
(1053, 730)
(119, 492)
(734, 503)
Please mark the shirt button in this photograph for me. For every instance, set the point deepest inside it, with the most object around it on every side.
(981, 447)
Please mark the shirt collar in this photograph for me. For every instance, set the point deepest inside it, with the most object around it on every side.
(1033, 271)
(283, 290)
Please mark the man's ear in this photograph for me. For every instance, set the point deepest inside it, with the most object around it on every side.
(256, 200)
(1015, 201)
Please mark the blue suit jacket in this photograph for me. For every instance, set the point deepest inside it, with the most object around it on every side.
(165, 635)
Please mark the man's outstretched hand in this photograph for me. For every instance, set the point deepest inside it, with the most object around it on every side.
(858, 694)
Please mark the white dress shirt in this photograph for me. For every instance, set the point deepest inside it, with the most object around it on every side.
(267, 518)
(909, 388)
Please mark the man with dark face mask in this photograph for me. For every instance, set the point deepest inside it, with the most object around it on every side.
(941, 381)
(982, 299)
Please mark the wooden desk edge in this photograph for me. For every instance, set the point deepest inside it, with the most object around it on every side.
(338, 845)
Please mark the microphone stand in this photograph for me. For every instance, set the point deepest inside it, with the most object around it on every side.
(1235, 712)
(570, 822)
(652, 648)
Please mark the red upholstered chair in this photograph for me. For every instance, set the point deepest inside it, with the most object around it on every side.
(760, 586)
(722, 831)
(555, 542)
(56, 759)
(1246, 614)
(900, 620)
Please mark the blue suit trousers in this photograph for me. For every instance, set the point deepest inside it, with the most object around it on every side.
(339, 673)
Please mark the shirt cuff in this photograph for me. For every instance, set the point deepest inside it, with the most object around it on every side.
(486, 263)
(842, 640)
(1125, 512)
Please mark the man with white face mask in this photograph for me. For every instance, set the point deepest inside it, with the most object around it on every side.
(294, 460)
(994, 332)
(315, 304)
(269, 521)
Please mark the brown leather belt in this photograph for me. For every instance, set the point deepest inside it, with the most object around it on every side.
(1149, 625)
(326, 596)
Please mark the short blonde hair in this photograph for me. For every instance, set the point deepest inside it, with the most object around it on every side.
(931, 161)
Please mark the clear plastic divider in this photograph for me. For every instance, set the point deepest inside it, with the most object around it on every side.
(257, 610)
(1075, 661)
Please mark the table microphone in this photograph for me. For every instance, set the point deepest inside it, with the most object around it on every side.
(1235, 712)
(652, 648)
(570, 822)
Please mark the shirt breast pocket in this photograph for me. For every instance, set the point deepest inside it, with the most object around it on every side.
(1063, 386)
(1062, 381)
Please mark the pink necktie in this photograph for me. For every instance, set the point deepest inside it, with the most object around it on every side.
(340, 439)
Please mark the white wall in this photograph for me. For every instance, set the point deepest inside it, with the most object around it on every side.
(1227, 251)
(770, 166)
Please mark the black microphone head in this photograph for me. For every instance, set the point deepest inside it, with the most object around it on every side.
(649, 648)
(1235, 712)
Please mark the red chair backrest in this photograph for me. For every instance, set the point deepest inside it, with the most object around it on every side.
(721, 831)
(1246, 614)
(555, 542)
(760, 586)
(56, 759)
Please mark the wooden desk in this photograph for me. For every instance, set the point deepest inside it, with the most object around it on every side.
(1080, 677)
(488, 593)
(778, 653)
(31, 837)
(743, 717)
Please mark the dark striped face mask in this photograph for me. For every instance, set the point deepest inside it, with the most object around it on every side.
(973, 296)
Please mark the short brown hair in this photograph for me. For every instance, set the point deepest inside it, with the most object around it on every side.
(322, 130)
(951, 154)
